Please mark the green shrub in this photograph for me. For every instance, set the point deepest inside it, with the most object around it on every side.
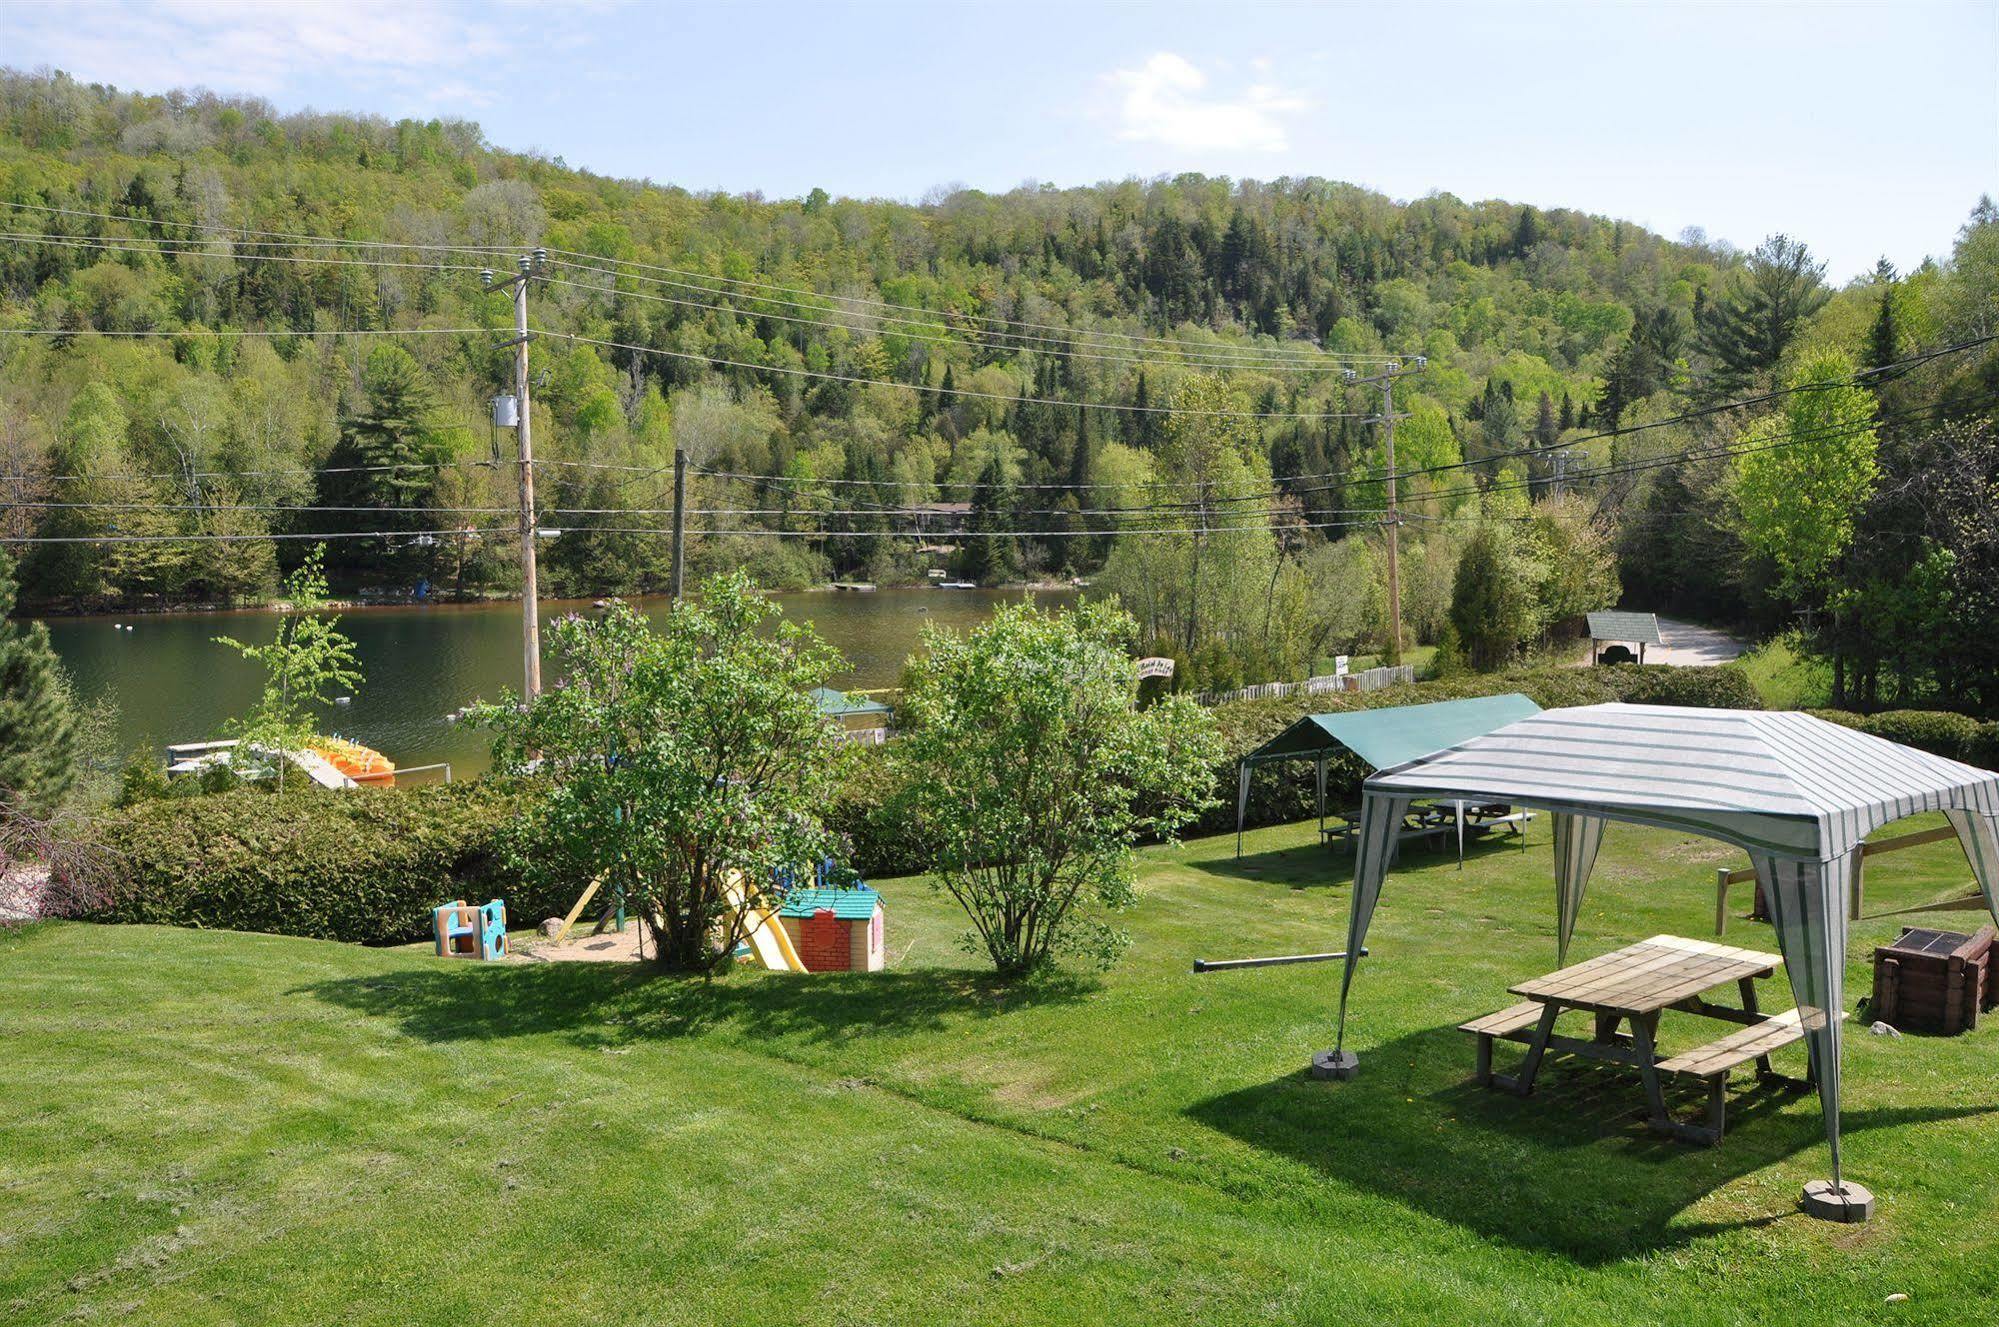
(365, 867)
(879, 842)
(1282, 792)
(1985, 750)
(1939, 732)
(1721, 688)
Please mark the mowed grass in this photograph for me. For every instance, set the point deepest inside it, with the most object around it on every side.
(219, 1128)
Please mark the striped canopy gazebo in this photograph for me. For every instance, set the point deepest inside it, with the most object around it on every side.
(1799, 794)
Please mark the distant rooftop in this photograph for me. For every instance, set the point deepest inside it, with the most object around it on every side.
(1618, 625)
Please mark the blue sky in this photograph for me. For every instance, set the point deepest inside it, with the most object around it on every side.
(1864, 129)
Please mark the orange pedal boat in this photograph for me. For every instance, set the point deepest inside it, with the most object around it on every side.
(360, 763)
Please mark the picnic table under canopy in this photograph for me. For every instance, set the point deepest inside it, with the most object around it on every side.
(1381, 738)
(1798, 793)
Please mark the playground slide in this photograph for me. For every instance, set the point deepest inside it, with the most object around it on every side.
(767, 937)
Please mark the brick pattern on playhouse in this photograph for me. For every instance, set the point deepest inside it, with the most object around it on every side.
(827, 947)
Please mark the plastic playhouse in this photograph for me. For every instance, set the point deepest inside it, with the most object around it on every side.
(835, 928)
(465, 931)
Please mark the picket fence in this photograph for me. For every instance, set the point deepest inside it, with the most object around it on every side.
(1368, 679)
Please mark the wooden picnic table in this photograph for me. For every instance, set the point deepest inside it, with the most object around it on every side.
(1634, 986)
(1430, 821)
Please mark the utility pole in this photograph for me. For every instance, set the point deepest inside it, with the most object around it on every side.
(1561, 480)
(529, 265)
(679, 522)
(1392, 518)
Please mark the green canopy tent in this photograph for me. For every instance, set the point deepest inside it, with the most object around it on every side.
(839, 705)
(1382, 738)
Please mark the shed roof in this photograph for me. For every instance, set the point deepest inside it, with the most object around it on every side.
(855, 904)
(1395, 734)
(1616, 624)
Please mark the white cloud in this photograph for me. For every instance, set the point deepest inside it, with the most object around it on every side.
(1167, 100)
(413, 52)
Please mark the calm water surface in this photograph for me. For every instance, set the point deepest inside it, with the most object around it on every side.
(172, 683)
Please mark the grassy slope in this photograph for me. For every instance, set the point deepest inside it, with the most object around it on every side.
(1785, 680)
(201, 1127)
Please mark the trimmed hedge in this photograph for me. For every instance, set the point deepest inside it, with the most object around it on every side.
(1940, 732)
(1282, 792)
(365, 867)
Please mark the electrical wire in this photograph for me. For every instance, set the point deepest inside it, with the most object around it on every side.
(1218, 357)
(951, 391)
(1270, 357)
(1190, 362)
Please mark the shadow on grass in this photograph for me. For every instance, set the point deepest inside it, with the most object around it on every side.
(1571, 1170)
(1310, 866)
(610, 1004)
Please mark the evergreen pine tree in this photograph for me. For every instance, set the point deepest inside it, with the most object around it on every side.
(1547, 431)
(989, 558)
(39, 738)
(1884, 338)
(1568, 416)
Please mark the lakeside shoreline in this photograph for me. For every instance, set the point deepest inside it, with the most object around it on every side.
(39, 612)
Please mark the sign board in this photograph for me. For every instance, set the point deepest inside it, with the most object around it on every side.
(1156, 666)
(1339, 665)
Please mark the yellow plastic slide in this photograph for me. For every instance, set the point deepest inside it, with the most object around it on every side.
(767, 936)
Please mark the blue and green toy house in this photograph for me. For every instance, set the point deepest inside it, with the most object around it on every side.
(835, 929)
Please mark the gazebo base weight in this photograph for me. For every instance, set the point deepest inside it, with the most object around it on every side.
(1340, 1065)
(1850, 1202)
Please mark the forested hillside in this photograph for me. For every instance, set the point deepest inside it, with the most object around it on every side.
(227, 323)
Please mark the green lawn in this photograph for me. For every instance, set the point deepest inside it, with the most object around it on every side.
(217, 1128)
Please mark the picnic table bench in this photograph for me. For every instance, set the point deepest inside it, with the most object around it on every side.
(1432, 820)
(1634, 986)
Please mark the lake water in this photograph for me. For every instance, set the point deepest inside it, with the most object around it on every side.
(172, 683)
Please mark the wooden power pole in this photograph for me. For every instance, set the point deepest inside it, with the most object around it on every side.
(530, 585)
(679, 522)
(1392, 518)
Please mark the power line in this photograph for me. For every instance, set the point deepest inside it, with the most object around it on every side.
(480, 532)
(1276, 358)
(1190, 362)
(1218, 356)
(930, 314)
(952, 391)
(291, 237)
(138, 247)
(87, 332)
(1702, 412)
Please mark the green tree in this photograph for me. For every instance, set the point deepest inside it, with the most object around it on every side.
(682, 763)
(1808, 471)
(40, 738)
(1495, 607)
(1884, 338)
(1759, 314)
(1576, 553)
(306, 663)
(1031, 775)
(90, 453)
(388, 459)
(992, 557)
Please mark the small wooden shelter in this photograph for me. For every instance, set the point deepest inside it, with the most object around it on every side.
(1615, 626)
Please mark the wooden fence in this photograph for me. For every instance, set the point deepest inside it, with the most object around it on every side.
(1723, 878)
(1368, 679)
